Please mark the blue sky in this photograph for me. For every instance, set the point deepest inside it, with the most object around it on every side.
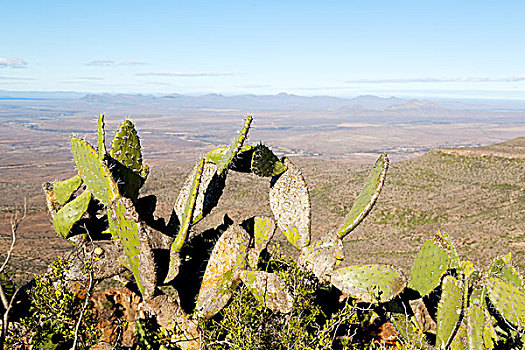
(341, 48)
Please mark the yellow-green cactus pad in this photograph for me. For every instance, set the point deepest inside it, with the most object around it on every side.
(64, 189)
(367, 197)
(449, 311)
(429, 266)
(369, 283)
(94, 172)
(70, 213)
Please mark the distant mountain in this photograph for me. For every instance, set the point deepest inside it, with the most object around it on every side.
(415, 105)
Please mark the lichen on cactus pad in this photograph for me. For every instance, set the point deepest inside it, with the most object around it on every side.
(369, 283)
(367, 197)
(268, 289)
(94, 172)
(323, 255)
(290, 204)
(227, 260)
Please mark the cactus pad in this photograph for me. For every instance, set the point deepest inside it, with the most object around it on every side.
(134, 239)
(322, 256)
(210, 190)
(235, 147)
(66, 217)
(367, 197)
(227, 259)
(64, 189)
(430, 264)
(125, 147)
(268, 289)
(501, 268)
(475, 326)
(290, 204)
(449, 311)
(265, 163)
(508, 300)
(445, 242)
(263, 229)
(94, 172)
(101, 138)
(369, 283)
(186, 220)
(460, 340)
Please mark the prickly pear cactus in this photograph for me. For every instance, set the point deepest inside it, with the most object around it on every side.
(94, 172)
(367, 197)
(262, 229)
(475, 321)
(502, 268)
(508, 300)
(186, 220)
(449, 311)
(64, 189)
(134, 238)
(322, 256)
(265, 163)
(101, 138)
(445, 242)
(369, 283)
(125, 147)
(227, 260)
(71, 213)
(235, 147)
(429, 266)
(268, 289)
(210, 190)
(290, 204)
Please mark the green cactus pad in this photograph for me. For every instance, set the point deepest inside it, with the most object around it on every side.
(66, 217)
(129, 182)
(290, 204)
(265, 163)
(445, 242)
(403, 324)
(209, 192)
(185, 224)
(367, 197)
(475, 326)
(235, 147)
(490, 337)
(94, 172)
(216, 155)
(449, 311)
(322, 256)
(227, 260)
(125, 147)
(101, 138)
(430, 264)
(369, 283)
(501, 268)
(263, 229)
(134, 238)
(64, 189)
(460, 340)
(508, 300)
(268, 289)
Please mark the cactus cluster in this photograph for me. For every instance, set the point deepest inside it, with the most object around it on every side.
(102, 206)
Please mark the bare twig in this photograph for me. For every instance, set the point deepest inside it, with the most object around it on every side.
(15, 223)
